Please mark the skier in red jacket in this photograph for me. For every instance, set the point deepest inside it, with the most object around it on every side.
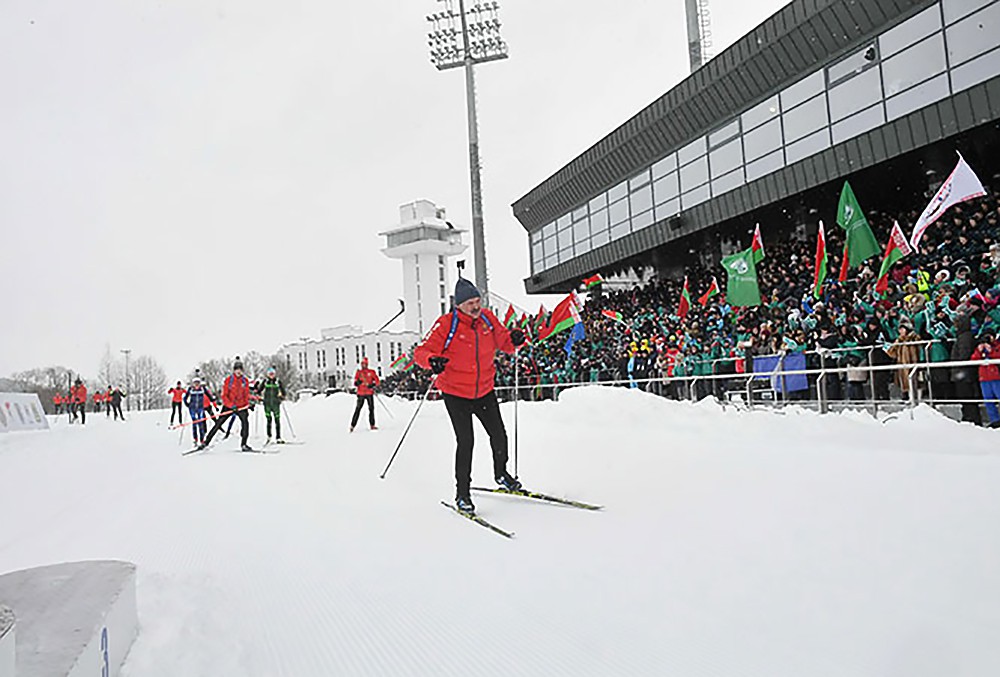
(460, 349)
(366, 381)
(178, 392)
(236, 399)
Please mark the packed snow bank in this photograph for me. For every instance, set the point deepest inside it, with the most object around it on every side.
(736, 543)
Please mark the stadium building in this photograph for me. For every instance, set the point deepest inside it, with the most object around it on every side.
(881, 92)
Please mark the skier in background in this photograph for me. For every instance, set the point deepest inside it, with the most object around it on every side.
(116, 402)
(273, 392)
(78, 396)
(198, 399)
(460, 349)
(366, 381)
(177, 393)
(236, 399)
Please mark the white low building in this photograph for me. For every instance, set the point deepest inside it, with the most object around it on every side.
(424, 241)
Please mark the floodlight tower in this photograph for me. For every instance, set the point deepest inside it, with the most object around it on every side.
(466, 38)
(699, 30)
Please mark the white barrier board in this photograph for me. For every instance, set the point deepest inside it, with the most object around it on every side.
(21, 411)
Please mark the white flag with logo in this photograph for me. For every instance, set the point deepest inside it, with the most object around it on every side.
(962, 185)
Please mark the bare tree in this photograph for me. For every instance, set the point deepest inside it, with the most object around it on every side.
(288, 374)
(111, 371)
(149, 383)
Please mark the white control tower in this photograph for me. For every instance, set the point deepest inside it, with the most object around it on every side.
(424, 241)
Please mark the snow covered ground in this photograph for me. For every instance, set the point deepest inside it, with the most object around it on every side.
(732, 543)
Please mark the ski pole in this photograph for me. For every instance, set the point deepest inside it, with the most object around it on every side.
(387, 410)
(205, 418)
(517, 389)
(288, 420)
(423, 399)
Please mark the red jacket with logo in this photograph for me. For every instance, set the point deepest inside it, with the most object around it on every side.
(470, 370)
(236, 392)
(366, 380)
(988, 372)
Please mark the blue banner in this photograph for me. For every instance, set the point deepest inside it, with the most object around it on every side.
(790, 383)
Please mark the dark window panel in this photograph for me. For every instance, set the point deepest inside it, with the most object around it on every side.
(932, 122)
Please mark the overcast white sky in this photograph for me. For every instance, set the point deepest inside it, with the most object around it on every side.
(197, 178)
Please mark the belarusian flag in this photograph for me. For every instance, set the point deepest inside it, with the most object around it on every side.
(593, 281)
(564, 316)
(509, 317)
(845, 264)
(713, 290)
(741, 286)
(409, 366)
(896, 248)
(962, 185)
(819, 274)
(523, 323)
(860, 243)
(399, 361)
(685, 303)
(757, 246)
(616, 316)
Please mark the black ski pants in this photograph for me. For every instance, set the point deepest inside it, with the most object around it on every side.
(487, 410)
(176, 410)
(117, 408)
(224, 415)
(370, 399)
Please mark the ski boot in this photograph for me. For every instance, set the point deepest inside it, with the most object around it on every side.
(464, 503)
(246, 447)
(374, 427)
(279, 441)
(509, 483)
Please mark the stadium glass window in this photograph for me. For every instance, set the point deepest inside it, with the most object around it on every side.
(562, 222)
(956, 9)
(599, 221)
(914, 65)
(692, 151)
(643, 220)
(581, 230)
(763, 140)
(580, 213)
(761, 113)
(549, 230)
(600, 239)
(583, 246)
(694, 174)
(973, 35)
(855, 94)
(910, 31)
(618, 212)
(565, 238)
(728, 182)
(536, 237)
(639, 180)
(667, 209)
(804, 89)
(618, 192)
(853, 65)
(917, 97)
(726, 158)
(599, 202)
(549, 245)
(552, 260)
(664, 166)
(805, 119)
(666, 188)
(641, 199)
(696, 196)
(621, 230)
(724, 134)
(975, 71)
(810, 145)
(565, 255)
(859, 123)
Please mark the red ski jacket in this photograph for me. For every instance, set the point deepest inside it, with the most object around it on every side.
(236, 392)
(366, 380)
(474, 343)
(178, 394)
(79, 394)
(988, 372)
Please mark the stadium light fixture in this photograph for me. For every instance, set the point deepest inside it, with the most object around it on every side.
(461, 37)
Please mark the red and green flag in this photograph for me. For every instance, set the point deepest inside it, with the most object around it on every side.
(399, 361)
(564, 316)
(508, 319)
(685, 303)
(819, 273)
(613, 314)
(539, 319)
(713, 290)
(593, 281)
(757, 246)
(845, 264)
(895, 249)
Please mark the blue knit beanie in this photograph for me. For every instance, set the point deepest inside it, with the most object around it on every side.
(465, 290)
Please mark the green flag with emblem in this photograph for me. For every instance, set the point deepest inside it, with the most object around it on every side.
(741, 279)
(861, 242)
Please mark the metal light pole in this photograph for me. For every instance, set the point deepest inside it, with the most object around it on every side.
(128, 386)
(466, 38)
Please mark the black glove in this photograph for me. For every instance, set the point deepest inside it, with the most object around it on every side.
(357, 383)
(438, 363)
(517, 337)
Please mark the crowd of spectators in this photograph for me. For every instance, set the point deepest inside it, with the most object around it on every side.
(941, 305)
